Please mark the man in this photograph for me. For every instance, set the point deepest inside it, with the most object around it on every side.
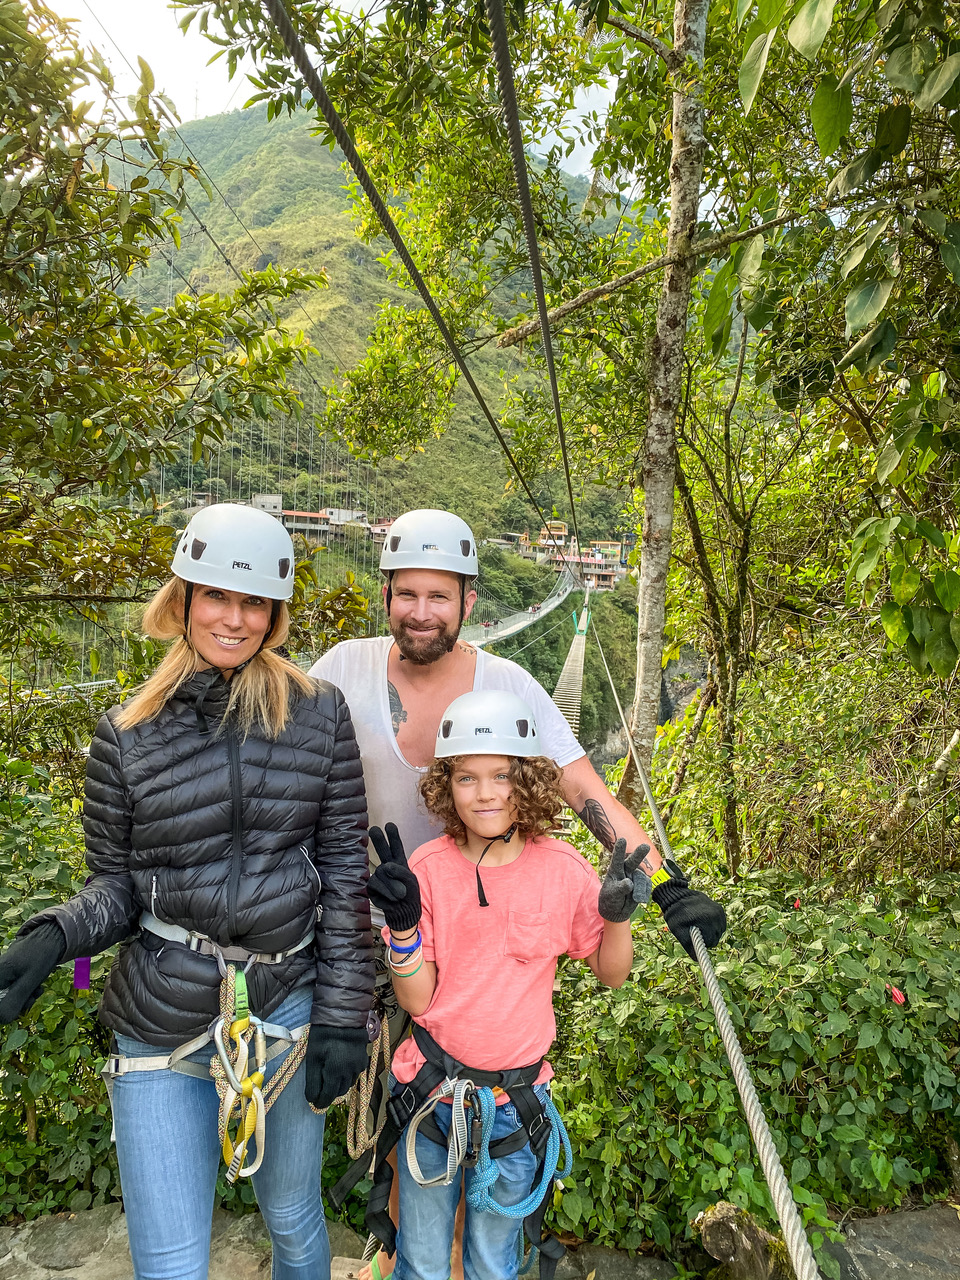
(398, 686)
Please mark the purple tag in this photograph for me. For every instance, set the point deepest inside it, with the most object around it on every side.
(81, 973)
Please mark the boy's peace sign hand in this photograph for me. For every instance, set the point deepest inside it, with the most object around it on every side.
(618, 893)
(393, 887)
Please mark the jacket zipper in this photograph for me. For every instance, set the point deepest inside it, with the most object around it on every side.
(236, 865)
(306, 853)
(153, 897)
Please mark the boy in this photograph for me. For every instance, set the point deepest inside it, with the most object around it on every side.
(475, 925)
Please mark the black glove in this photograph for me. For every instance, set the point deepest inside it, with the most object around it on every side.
(393, 887)
(618, 895)
(26, 965)
(683, 908)
(336, 1056)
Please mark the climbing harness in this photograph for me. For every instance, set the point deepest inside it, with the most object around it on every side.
(798, 1246)
(243, 1096)
(444, 1077)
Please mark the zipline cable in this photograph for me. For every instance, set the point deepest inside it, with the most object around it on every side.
(497, 22)
(278, 15)
(798, 1246)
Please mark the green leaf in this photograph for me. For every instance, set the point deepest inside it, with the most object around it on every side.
(856, 173)
(941, 653)
(831, 114)
(809, 28)
(906, 66)
(748, 263)
(893, 128)
(951, 259)
(933, 219)
(752, 68)
(865, 302)
(94, 659)
(904, 582)
(937, 83)
(873, 347)
(932, 534)
(882, 1169)
(572, 1206)
(888, 461)
(10, 199)
(870, 1035)
(718, 302)
(800, 1170)
(946, 583)
(146, 76)
(894, 623)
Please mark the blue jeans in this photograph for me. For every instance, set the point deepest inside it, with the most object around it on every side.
(490, 1243)
(169, 1154)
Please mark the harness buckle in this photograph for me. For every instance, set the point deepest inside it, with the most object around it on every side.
(539, 1132)
(402, 1106)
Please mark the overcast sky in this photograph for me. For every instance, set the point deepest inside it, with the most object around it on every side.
(124, 29)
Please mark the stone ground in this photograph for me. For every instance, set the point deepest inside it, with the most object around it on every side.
(922, 1244)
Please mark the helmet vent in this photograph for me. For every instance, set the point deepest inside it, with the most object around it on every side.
(394, 543)
(284, 566)
(523, 728)
(197, 549)
(464, 547)
(445, 728)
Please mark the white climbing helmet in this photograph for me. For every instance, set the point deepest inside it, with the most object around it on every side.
(488, 722)
(237, 549)
(428, 539)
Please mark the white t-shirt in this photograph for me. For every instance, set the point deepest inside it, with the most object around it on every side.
(359, 670)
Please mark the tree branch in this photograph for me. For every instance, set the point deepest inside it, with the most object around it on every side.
(699, 248)
(671, 59)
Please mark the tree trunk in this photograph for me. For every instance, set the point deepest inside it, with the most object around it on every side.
(666, 385)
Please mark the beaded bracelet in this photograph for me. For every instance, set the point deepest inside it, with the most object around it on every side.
(405, 951)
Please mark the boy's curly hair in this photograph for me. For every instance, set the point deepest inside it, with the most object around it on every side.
(535, 791)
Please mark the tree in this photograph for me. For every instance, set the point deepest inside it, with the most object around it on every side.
(96, 390)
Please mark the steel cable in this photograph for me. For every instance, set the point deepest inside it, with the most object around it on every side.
(294, 45)
(508, 96)
(798, 1246)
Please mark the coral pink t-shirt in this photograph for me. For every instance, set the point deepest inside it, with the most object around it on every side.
(493, 1004)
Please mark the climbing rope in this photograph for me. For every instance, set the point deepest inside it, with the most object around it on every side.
(798, 1246)
(361, 1095)
(487, 1171)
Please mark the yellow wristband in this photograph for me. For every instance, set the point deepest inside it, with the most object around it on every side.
(660, 876)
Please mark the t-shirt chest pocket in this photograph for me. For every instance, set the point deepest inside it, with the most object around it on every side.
(529, 937)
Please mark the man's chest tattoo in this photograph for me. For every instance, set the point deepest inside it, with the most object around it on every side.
(397, 712)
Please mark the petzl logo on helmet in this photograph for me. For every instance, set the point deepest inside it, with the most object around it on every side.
(429, 546)
(240, 564)
(480, 729)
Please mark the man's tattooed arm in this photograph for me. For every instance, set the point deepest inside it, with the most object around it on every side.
(594, 818)
(397, 712)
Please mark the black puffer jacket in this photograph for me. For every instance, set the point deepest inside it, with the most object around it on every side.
(240, 839)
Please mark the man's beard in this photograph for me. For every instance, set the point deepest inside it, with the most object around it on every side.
(423, 650)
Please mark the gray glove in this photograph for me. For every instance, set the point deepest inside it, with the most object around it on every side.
(620, 891)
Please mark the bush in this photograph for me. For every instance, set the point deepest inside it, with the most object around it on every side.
(860, 1092)
(55, 1150)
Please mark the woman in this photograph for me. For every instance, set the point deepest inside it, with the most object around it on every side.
(225, 826)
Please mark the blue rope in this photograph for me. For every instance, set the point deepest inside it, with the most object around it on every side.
(488, 1171)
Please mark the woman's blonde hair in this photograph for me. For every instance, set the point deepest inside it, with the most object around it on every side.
(260, 694)
(535, 790)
